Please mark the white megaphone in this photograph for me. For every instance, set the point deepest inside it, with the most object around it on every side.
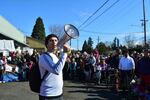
(71, 32)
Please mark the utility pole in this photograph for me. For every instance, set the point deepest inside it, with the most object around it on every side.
(98, 39)
(77, 44)
(144, 24)
(117, 43)
(70, 42)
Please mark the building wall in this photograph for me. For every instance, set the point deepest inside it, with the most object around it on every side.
(9, 30)
(36, 44)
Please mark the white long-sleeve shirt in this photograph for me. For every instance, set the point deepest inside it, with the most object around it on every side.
(126, 63)
(52, 85)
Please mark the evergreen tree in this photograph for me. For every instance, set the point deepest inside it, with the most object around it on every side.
(84, 47)
(39, 30)
(101, 47)
(90, 42)
(90, 45)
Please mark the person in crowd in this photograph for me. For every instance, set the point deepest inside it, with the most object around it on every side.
(109, 60)
(143, 72)
(78, 66)
(27, 56)
(97, 74)
(52, 85)
(4, 58)
(115, 63)
(35, 56)
(1, 70)
(92, 62)
(116, 58)
(136, 57)
(96, 54)
(13, 56)
(126, 67)
(87, 69)
(73, 66)
(104, 67)
(66, 69)
(81, 70)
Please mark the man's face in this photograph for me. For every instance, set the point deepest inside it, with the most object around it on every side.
(126, 54)
(146, 53)
(52, 43)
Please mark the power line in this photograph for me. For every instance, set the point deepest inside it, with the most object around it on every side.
(94, 13)
(117, 16)
(108, 33)
(102, 13)
(89, 31)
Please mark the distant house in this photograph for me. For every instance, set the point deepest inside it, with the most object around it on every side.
(36, 44)
(10, 32)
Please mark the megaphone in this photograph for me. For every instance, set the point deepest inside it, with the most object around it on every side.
(71, 32)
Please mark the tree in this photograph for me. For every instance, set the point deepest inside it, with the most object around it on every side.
(90, 42)
(101, 47)
(148, 43)
(38, 30)
(89, 45)
(130, 41)
(57, 29)
(115, 43)
(84, 47)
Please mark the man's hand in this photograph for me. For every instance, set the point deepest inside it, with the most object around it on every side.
(67, 48)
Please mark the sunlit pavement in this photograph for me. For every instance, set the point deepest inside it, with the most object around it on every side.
(72, 91)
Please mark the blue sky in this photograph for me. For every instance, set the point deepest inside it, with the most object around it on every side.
(120, 20)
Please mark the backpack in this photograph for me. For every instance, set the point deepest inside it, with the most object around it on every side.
(35, 77)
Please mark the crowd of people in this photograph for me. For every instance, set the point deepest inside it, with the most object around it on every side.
(15, 66)
(122, 68)
(129, 68)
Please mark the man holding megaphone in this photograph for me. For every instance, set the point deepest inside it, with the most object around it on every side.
(52, 84)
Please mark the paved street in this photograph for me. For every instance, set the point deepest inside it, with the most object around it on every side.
(72, 91)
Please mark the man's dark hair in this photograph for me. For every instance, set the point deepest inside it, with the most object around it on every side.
(48, 37)
(125, 51)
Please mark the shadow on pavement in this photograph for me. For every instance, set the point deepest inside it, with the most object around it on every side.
(98, 92)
